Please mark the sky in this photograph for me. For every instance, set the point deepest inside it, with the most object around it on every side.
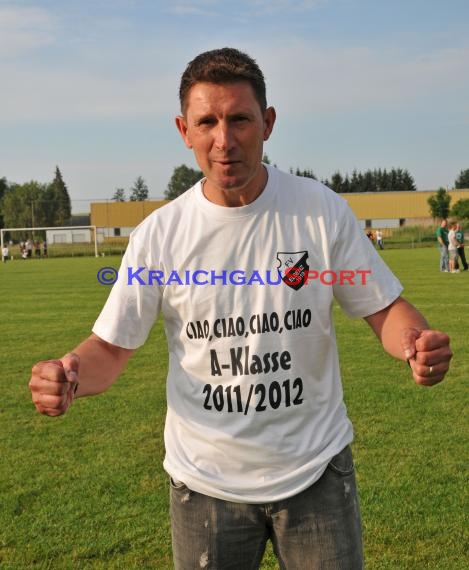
(92, 86)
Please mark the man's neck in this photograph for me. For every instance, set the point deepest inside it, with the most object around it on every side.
(234, 197)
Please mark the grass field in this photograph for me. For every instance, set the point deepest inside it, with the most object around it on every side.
(87, 490)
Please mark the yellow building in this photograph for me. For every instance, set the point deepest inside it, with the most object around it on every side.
(395, 209)
(115, 220)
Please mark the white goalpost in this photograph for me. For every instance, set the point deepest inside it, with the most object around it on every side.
(36, 229)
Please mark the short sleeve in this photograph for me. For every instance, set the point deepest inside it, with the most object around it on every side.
(365, 284)
(134, 302)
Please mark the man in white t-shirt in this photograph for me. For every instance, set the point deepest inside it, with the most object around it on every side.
(245, 266)
(379, 239)
(453, 248)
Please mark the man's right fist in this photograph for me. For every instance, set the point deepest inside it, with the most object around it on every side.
(53, 384)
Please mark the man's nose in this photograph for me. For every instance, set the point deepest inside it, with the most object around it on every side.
(223, 137)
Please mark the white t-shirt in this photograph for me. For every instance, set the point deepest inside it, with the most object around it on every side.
(255, 403)
(452, 241)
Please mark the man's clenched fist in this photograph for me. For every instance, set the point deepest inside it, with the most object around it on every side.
(53, 384)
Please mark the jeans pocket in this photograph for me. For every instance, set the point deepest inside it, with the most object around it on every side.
(177, 485)
(342, 463)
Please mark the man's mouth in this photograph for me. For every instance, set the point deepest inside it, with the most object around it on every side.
(227, 162)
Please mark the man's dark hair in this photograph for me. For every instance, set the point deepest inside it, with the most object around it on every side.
(226, 65)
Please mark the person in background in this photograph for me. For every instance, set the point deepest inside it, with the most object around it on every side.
(459, 234)
(452, 248)
(442, 237)
(379, 239)
(29, 248)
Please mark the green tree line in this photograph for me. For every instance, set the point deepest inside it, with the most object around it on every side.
(35, 204)
(378, 180)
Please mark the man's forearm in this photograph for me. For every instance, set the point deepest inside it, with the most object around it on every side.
(390, 323)
(100, 365)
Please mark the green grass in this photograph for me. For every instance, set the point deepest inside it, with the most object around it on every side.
(109, 247)
(87, 490)
(411, 237)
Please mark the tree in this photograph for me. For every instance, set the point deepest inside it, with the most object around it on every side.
(139, 191)
(355, 181)
(439, 204)
(462, 181)
(3, 190)
(182, 179)
(119, 195)
(336, 182)
(26, 205)
(36, 205)
(58, 195)
(308, 173)
(368, 182)
(461, 210)
(381, 180)
(408, 182)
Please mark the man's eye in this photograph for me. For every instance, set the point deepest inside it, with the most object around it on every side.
(204, 122)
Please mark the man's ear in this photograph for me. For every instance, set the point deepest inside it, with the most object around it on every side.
(269, 121)
(181, 126)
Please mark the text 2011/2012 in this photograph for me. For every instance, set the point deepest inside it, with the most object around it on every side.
(229, 398)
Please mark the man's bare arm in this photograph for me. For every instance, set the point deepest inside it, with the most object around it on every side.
(100, 365)
(405, 334)
(91, 368)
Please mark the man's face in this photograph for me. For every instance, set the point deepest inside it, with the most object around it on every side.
(226, 128)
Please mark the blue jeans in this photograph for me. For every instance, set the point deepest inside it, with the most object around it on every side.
(444, 258)
(319, 528)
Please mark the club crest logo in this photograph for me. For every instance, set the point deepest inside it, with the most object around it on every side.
(293, 266)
